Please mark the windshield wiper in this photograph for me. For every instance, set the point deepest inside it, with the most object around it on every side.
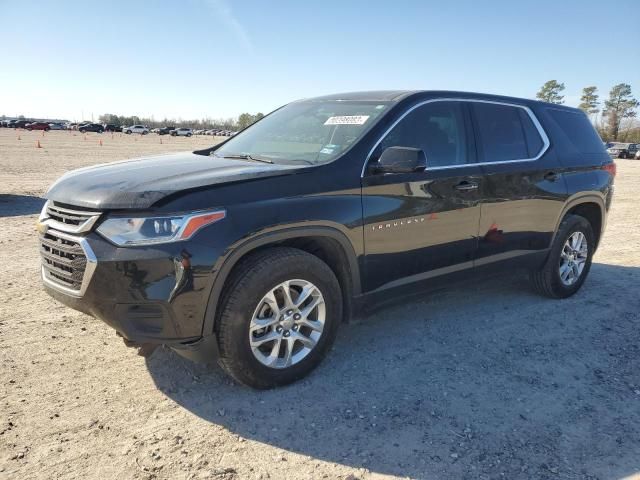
(245, 156)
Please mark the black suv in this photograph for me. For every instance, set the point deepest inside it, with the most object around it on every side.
(91, 127)
(165, 130)
(253, 251)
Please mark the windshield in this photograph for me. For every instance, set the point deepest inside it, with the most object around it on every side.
(305, 132)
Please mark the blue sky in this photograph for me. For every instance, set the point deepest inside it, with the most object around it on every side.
(219, 58)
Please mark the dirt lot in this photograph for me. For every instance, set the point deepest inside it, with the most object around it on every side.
(485, 381)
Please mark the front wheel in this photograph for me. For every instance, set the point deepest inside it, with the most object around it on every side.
(569, 260)
(188, 134)
(279, 317)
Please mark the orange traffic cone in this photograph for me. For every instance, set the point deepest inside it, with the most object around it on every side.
(160, 141)
(38, 144)
(19, 137)
(100, 142)
(43, 133)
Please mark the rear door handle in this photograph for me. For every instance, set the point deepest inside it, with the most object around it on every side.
(551, 176)
(465, 186)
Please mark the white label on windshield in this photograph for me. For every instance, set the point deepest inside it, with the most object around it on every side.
(347, 120)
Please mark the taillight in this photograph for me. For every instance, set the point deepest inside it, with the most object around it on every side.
(611, 168)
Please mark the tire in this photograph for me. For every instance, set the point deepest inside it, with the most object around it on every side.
(244, 297)
(128, 132)
(188, 134)
(82, 130)
(547, 280)
(144, 133)
(47, 129)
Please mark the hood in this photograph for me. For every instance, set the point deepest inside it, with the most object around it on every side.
(142, 182)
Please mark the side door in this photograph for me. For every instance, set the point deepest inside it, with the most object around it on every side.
(525, 188)
(423, 224)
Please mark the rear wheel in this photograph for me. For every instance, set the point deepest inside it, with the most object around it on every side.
(569, 260)
(279, 317)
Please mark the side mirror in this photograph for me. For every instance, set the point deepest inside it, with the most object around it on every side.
(401, 160)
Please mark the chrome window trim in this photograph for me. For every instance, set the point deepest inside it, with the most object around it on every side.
(86, 226)
(532, 116)
(92, 263)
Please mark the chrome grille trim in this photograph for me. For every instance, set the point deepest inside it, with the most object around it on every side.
(68, 220)
(66, 260)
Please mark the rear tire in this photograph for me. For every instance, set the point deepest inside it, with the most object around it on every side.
(255, 294)
(566, 268)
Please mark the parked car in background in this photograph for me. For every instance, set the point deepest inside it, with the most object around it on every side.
(57, 126)
(254, 251)
(623, 150)
(165, 130)
(181, 132)
(38, 126)
(141, 129)
(110, 127)
(91, 127)
(637, 156)
(21, 123)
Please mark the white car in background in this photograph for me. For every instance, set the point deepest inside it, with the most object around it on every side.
(181, 132)
(56, 126)
(141, 129)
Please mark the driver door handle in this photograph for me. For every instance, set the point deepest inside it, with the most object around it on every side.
(465, 186)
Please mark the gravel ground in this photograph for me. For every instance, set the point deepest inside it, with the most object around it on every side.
(483, 381)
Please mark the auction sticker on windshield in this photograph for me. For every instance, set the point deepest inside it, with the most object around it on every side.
(347, 120)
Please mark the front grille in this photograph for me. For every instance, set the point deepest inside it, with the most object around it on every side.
(69, 219)
(63, 260)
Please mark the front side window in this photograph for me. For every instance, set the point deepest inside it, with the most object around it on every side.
(436, 128)
(506, 132)
(312, 132)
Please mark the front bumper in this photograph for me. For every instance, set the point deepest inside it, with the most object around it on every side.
(149, 295)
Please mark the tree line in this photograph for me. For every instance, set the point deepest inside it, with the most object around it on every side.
(616, 122)
(243, 121)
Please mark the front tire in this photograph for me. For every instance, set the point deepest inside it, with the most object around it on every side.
(569, 259)
(279, 317)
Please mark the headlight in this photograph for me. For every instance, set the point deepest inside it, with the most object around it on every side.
(139, 230)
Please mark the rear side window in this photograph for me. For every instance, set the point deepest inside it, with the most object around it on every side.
(437, 128)
(506, 132)
(577, 129)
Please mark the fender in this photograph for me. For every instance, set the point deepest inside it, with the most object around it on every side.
(240, 249)
(578, 199)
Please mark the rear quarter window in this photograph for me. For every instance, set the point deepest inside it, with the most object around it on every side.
(576, 130)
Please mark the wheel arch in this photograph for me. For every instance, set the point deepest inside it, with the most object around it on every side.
(590, 206)
(327, 243)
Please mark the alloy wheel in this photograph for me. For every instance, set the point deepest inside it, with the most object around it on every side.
(287, 323)
(573, 258)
